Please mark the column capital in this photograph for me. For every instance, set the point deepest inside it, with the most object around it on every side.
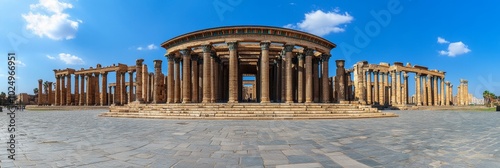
(232, 45)
(301, 56)
(206, 48)
(308, 52)
(194, 57)
(405, 74)
(157, 63)
(288, 47)
(104, 73)
(186, 52)
(265, 45)
(325, 57)
(170, 57)
(138, 62)
(429, 76)
(177, 60)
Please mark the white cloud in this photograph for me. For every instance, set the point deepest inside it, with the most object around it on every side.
(51, 57)
(20, 63)
(442, 41)
(149, 47)
(70, 59)
(321, 23)
(456, 48)
(54, 23)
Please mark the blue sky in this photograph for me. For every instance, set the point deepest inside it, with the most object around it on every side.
(56, 34)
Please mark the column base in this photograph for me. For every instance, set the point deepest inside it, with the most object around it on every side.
(262, 102)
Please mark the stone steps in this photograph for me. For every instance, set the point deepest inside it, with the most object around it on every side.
(244, 111)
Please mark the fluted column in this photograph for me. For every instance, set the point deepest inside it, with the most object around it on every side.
(130, 87)
(405, 88)
(418, 89)
(97, 95)
(68, 90)
(57, 96)
(123, 88)
(393, 88)
(145, 83)
(213, 74)
(442, 93)
(49, 93)
(435, 91)
(429, 90)
(63, 91)
(104, 88)
(40, 93)
(398, 87)
(186, 75)
(77, 90)
(376, 88)
(81, 100)
(138, 81)
(118, 86)
(264, 75)
(289, 86)
(309, 78)
(368, 85)
(382, 88)
(341, 83)
(325, 92)
(300, 78)
(195, 79)
(170, 79)
(233, 72)
(177, 87)
(283, 77)
(316, 80)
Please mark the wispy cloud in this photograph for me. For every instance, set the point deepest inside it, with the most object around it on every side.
(148, 47)
(442, 41)
(70, 59)
(50, 57)
(47, 18)
(323, 23)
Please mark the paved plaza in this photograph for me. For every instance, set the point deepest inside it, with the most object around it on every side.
(414, 139)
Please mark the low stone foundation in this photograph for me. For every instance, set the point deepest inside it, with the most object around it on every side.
(246, 111)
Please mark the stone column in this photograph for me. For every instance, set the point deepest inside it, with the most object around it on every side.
(177, 96)
(376, 88)
(81, 100)
(118, 86)
(216, 81)
(283, 76)
(309, 78)
(435, 91)
(212, 77)
(448, 95)
(145, 83)
(394, 88)
(264, 73)
(123, 88)
(233, 73)
(368, 85)
(316, 80)
(88, 92)
(382, 88)
(324, 78)
(429, 90)
(49, 93)
(340, 80)
(417, 89)
(57, 96)
(130, 86)
(40, 92)
(96, 86)
(300, 78)
(110, 98)
(398, 87)
(405, 88)
(289, 86)
(170, 79)
(157, 81)
(77, 90)
(195, 79)
(68, 90)
(63, 91)
(138, 81)
(451, 94)
(442, 93)
(104, 87)
(186, 75)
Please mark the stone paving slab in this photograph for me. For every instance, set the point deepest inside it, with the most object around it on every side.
(414, 139)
